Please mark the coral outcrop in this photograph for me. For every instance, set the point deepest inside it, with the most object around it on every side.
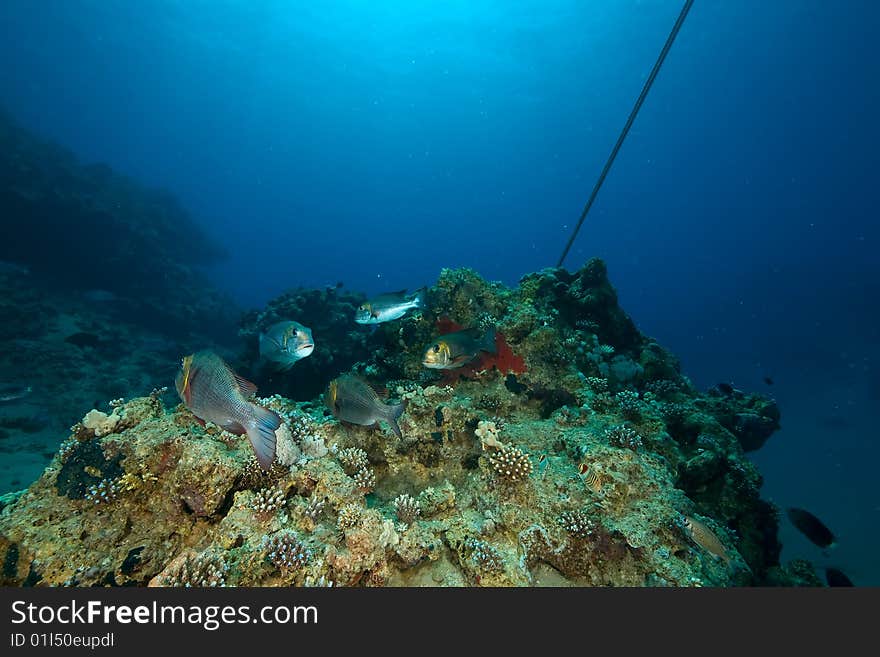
(575, 458)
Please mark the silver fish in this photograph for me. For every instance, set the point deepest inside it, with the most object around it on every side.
(12, 392)
(351, 399)
(285, 343)
(215, 393)
(390, 306)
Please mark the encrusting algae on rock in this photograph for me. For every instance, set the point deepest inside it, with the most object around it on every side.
(571, 460)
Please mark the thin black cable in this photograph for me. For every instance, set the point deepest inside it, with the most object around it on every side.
(629, 122)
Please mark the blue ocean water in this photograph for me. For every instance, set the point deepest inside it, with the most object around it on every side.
(376, 142)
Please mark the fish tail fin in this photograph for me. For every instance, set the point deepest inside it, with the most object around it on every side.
(261, 432)
(489, 341)
(420, 297)
(393, 413)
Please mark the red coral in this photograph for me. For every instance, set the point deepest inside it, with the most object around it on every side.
(504, 360)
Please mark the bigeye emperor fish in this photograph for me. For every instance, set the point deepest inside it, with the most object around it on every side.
(351, 399)
(454, 350)
(285, 343)
(215, 393)
(390, 306)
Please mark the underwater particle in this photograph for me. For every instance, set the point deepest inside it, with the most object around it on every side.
(365, 480)
(213, 392)
(285, 551)
(351, 399)
(484, 556)
(205, 569)
(811, 527)
(579, 523)
(623, 437)
(511, 463)
(268, 500)
(700, 534)
(349, 516)
(407, 508)
(352, 460)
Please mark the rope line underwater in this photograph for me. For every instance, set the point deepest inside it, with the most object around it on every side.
(632, 117)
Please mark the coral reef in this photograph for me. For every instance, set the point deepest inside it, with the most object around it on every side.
(577, 458)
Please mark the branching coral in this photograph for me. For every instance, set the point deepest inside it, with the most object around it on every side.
(407, 508)
(285, 551)
(623, 437)
(267, 501)
(352, 460)
(208, 569)
(579, 523)
(511, 463)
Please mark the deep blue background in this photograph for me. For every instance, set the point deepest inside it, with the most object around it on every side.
(376, 142)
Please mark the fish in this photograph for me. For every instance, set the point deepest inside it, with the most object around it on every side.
(700, 534)
(390, 306)
(836, 577)
(811, 527)
(10, 393)
(285, 343)
(768, 380)
(210, 388)
(454, 350)
(351, 399)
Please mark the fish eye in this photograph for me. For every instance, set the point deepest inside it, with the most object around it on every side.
(436, 348)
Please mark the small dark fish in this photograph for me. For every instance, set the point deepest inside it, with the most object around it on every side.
(811, 527)
(215, 393)
(836, 577)
(10, 393)
(454, 350)
(351, 399)
(768, 380)
(725, 389)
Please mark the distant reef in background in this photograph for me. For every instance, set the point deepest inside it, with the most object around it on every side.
(87, 227)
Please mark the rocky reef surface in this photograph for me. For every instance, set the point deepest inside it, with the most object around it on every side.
(62, 352)
(579, 454)
(86, 227)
